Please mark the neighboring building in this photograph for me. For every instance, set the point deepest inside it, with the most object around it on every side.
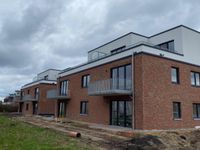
(136, 81)
(17, 96)
(33, 95)
(9, 99)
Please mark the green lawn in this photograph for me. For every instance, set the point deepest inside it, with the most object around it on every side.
(16, 135)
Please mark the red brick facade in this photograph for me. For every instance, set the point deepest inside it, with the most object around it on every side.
(152, 98)
(154, 93)
(99, 106)
(45, 106)
(159, 93)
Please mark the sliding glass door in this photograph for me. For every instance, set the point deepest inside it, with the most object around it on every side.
(61, 109)
(122, 77)
(35, 108)
(121, 113)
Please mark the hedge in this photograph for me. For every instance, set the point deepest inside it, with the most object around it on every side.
(8, 108)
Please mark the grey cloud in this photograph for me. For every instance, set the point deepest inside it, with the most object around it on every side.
(41, 34)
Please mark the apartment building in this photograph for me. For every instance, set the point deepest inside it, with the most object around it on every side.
(33, 99)
(136, 81)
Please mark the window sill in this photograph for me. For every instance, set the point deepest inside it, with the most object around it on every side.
(196, 119)
(83, 114)
(195, 86)
(176, 83)
(177, 119)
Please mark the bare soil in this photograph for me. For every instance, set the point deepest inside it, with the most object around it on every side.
(138, 140)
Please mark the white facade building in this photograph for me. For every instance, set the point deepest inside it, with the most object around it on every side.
(179, 43)
(48, 76)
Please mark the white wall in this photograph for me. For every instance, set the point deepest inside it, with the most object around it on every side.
(51, 73)
(175, 35)
(127, 40)
(187, 42)
(191, 46)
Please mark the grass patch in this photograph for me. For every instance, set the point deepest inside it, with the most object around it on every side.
(17, 135)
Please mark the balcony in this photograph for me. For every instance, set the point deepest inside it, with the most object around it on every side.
(55, 94)
(29, 98)
(110, 87)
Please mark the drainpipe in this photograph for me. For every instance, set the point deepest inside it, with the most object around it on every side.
(133, 90)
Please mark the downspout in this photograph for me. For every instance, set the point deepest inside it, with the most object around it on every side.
(133, 90)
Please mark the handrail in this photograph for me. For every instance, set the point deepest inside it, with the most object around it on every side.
(110, 85)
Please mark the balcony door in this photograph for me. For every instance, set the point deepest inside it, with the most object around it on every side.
(64, 87)
(35, 108)
(36, 93)
(121, 77)
(61, 109)
(121, 113)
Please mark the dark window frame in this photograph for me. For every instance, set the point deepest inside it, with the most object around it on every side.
(119, 49)
(177, 75)
(195, 79)
(83, 110)
(197, 112)
(167, 46)
(125, 112)
(64, 87)
(46, 77)
(125, 75)
(85, 81)
(178, 112)
(36, 93)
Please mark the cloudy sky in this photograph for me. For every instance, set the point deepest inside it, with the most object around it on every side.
(36, 35)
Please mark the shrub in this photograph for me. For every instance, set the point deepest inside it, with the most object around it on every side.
(8, 108)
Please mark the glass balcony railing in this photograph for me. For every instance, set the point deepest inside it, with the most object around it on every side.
(55, 94)
(111, 87)
(29, 97)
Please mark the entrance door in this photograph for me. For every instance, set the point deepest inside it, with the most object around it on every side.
(35, 108)
(61, 109)
(121, 113)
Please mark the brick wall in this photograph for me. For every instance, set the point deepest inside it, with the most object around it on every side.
(159, 93)
(99, 106)
(45, 106)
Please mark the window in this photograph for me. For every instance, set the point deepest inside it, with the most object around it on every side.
(28, 92)
(46, 77)
(196, 110)
(174, 75)
(169, 46)
(27, 106)
(122, 77)
(118, 49)
(176, 110)
(64, 87)
(85, 81)
(36, 93)
(195, 78)
(84, 107)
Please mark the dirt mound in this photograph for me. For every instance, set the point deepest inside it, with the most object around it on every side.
(167, 140)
